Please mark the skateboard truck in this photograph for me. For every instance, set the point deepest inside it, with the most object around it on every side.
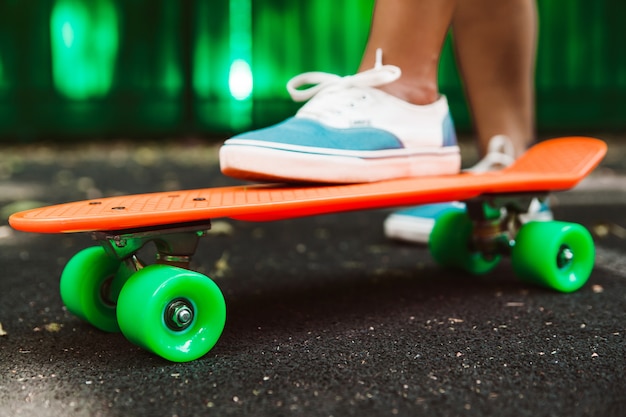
(175, 244)
(496, 221)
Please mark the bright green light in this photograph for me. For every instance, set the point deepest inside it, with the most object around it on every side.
(240, 79)
(202, 80)
(84, 43)
(67, 33)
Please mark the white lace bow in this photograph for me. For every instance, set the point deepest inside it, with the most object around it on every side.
(323, 81)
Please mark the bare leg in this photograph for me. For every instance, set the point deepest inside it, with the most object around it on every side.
(495, 45)
(411, 34)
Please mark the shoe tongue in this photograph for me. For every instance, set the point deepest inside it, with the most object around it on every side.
(493, 161)
(376, 77)
(501, 144)
(500, 154)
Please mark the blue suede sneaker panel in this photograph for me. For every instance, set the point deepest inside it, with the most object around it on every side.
(449, 134)
(309, 133)
(430, 211)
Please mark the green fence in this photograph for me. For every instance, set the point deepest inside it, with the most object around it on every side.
(84, 68)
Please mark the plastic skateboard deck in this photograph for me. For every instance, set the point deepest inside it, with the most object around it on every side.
(179, 314)
(553, 165)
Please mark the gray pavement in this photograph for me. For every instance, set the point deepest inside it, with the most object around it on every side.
(325, 316)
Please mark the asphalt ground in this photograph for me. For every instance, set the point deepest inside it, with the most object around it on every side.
(326, 317)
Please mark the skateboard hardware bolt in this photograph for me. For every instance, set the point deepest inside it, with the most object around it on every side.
(134, 263)
(199, 199)
(94, 203)
(119, 208)
(179, 314)
(564, 257)
(173, 258)
(119, 242)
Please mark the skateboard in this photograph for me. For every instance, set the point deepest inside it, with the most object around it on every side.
(179, 314)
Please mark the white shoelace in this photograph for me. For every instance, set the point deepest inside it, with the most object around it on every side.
(324, 81)
(499, 155)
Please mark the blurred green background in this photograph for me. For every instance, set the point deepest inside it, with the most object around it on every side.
(78, 69)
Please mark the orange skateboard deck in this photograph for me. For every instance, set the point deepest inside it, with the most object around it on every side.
(179, 314)
(554, 165)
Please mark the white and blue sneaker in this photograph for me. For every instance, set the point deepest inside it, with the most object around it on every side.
(348, 132)
(414, 224)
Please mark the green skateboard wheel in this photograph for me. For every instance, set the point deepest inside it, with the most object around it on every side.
(90, 284)
(556, 255)
(172, 312)
(449, 245)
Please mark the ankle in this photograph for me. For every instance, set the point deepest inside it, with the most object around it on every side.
(413, 94)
